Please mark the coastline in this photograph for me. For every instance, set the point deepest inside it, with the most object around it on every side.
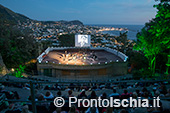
(114, 30)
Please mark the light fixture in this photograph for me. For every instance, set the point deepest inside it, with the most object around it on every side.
(12, 69)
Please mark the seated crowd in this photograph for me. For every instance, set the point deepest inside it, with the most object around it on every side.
(47, 106)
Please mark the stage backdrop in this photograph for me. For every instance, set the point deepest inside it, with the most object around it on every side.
(82, 40)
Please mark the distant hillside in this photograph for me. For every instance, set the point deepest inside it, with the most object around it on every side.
(48, 22)
(74, 22)
(6, 16)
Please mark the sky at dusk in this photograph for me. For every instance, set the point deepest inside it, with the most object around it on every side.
(88, 11)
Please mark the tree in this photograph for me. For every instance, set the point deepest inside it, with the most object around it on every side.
(124, 41)
(67, 40)
(148, 44)
(16, 47)
(154, 38)
(161, 28)
(19, 71)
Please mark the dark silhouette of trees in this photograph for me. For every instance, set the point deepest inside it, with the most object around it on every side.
(67, 40)
(16, 47)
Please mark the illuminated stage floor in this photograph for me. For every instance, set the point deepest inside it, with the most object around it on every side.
(80, 57)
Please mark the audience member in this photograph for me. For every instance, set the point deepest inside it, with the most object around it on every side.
(114, 94)
(168, 94)
(92, 110)
(92, 95)
(48, 95)
(73, 109)
(125, 95)
(25, 109)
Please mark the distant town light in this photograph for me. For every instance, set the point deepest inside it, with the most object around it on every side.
(110, 60)
(105, 62)
(99, 63)
(117, 60)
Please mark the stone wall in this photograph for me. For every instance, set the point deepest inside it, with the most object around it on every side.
(94, 73)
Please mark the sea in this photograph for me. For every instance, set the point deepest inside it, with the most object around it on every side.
(132, 30)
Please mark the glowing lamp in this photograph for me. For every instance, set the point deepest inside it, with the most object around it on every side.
(12, 69)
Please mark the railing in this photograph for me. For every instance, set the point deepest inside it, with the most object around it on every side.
(118, 53)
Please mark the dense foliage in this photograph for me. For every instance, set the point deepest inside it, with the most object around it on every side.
(154, 38)
(19, 71)
(16, 47)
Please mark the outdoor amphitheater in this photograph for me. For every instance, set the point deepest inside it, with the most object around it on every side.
(83, 72)
(82, 63)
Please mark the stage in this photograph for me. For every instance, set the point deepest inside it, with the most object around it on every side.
(82, 63)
